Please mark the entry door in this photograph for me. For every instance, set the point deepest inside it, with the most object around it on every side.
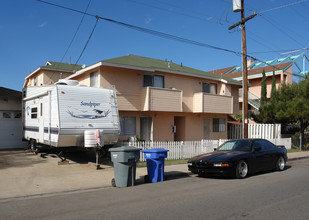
(146, 128)
(206, 129)
(41, 121)
(179, 129)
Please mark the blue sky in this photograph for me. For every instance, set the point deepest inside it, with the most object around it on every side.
(32, 32)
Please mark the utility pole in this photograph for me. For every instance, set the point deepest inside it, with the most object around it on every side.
(238, 5)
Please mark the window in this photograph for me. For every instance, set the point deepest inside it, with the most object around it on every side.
(17, 114)
(34, 112)
(128, 125)
(264, 145)
(210, 88)
(6, 114)
(219, 125)
(153, 81)
(94, 79)
(35, 81)
(41, 110)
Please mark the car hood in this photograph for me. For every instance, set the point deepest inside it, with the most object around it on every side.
(217, 156)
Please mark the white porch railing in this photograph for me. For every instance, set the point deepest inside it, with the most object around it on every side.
(187, 149)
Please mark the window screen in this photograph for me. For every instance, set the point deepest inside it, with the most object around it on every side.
(210, 88)
(153, 81)
(219, 125)
(34, 112)
(128, 125)
(94, 79)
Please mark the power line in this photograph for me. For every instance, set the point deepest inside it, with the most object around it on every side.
(81, 21)
(282, 6)
(278, 51)
(87, 40)
(281, 30)
(146, 30)
(157, 33)
(179, 13)
(72, 41)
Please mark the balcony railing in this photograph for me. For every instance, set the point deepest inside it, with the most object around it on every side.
(161, 99)
(212, 103)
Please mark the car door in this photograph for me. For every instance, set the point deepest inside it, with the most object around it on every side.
(261, 156)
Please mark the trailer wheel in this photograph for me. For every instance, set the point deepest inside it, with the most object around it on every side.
(33, 146)
(113, 182)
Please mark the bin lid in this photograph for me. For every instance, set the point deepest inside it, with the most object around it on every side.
(123, 149)
(154, 150)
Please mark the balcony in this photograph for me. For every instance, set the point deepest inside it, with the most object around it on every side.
(161, 99)
(211, 103)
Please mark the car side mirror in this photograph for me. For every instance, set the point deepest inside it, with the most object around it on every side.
(257, 149)
(215, 149)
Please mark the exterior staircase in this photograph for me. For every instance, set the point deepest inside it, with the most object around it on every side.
(254, 101)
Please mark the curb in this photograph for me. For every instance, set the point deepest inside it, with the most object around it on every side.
(298, 158)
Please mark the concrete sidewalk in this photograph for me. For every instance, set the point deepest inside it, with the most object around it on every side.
(24, 174)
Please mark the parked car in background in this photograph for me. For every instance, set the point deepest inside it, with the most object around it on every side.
(239, 158)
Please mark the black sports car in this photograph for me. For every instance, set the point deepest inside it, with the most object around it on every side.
(239, 158)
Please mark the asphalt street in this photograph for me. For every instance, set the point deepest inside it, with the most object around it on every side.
(270, 195)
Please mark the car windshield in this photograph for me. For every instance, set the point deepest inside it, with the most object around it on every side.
(238, 145)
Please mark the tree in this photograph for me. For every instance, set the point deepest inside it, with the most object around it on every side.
(273, 87)
(291, 105)
(264, 89)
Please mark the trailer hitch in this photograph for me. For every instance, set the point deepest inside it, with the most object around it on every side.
(62, 156)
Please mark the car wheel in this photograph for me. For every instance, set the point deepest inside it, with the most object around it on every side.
(280, 165)
(241, 169)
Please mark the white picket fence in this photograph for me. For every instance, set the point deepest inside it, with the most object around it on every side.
(266, 131)
(187, 149)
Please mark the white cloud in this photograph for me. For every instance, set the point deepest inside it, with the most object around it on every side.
(148, 20)
(42, 25)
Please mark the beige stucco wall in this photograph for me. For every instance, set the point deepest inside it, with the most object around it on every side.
(45, 77)
(163, 123)
(51, 77)
(129, 86)
(256, 85)
(133, 99)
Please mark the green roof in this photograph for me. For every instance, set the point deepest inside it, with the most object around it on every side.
(61, 66)
(144, 62)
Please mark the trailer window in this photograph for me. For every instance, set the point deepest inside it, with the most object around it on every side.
(41, 110)
(34, 112)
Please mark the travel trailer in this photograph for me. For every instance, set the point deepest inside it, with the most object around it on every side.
(68, 114)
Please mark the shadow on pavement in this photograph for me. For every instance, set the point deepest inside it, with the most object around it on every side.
(24, 158)
(18, 158)
(171, 175)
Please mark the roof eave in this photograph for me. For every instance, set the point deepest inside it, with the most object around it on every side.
(101, 63)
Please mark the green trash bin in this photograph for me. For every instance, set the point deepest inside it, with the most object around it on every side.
(124, 159)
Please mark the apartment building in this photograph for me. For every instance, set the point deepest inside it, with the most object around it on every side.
(283, 74)
(163, 101)
(50, 73)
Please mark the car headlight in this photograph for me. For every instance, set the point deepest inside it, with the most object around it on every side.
(189, 164)
(221, 165)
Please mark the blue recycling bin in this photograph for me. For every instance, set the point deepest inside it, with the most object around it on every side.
(155, 164)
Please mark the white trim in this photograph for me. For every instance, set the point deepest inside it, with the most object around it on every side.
(33, 72)
(80, 72)
(36, 96)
